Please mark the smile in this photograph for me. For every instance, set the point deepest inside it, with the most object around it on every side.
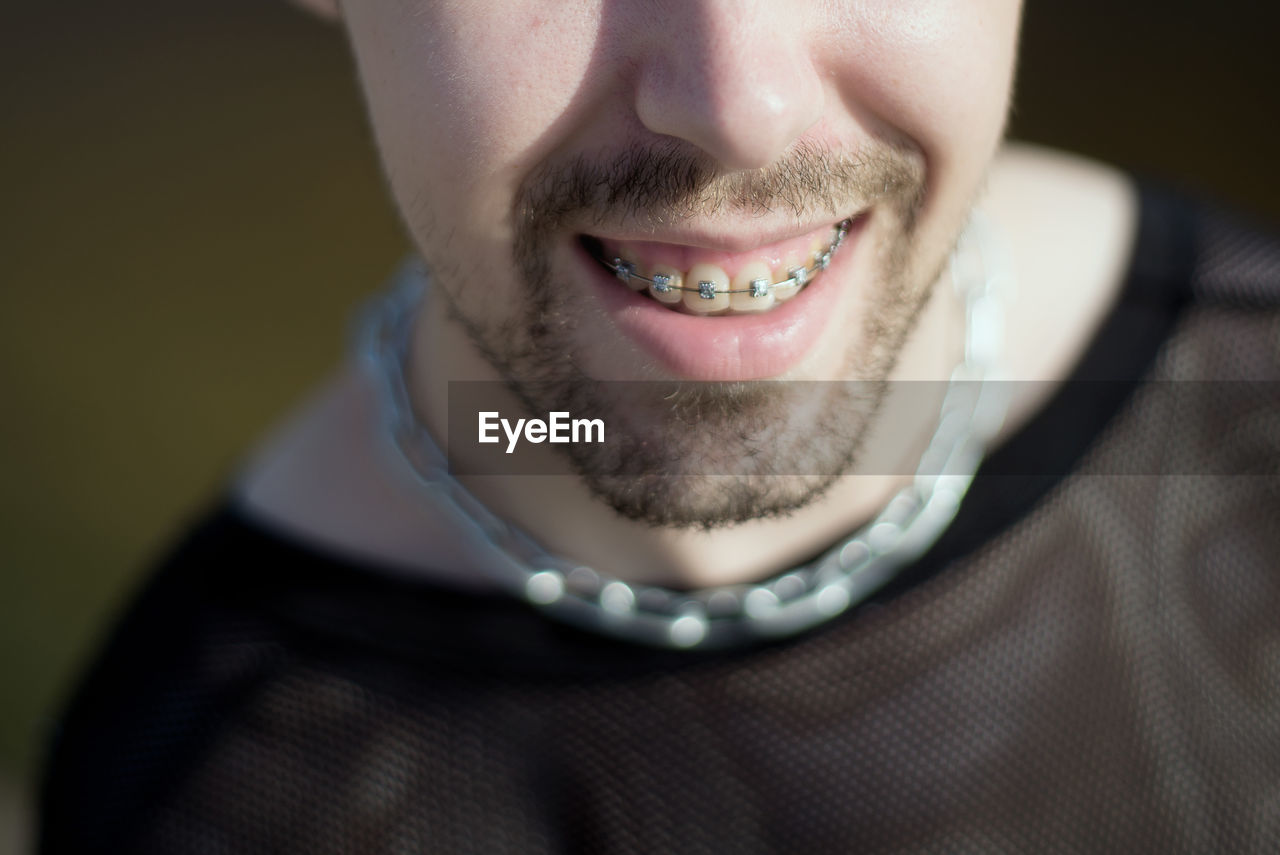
(751, 285)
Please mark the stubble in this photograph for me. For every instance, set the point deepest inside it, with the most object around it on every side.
(696, 454)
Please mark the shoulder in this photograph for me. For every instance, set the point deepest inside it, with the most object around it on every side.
(1057, 185)
(1069, 224)
(327, 481)
(1086, 237)
(1075, 222)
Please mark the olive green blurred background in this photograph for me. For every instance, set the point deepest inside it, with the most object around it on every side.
(190, 207)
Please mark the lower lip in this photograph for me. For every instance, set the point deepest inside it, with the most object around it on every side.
(725, 348)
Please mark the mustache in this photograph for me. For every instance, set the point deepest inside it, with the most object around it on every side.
(669, 182)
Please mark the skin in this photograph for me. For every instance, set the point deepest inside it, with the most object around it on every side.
(471, 101)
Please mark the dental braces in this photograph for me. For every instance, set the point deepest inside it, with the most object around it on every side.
(797, 599)
(799, 276)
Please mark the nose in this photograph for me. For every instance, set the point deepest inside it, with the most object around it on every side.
(734, 78)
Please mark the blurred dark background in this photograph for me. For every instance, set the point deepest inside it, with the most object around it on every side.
(190, 208)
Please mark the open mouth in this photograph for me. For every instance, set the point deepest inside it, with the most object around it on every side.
(718, 283)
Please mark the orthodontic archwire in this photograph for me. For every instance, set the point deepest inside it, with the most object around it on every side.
(661, 282)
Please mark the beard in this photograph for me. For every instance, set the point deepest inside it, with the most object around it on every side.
(706, 455)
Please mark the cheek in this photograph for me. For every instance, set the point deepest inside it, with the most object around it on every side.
(465, 101)
(938, 71)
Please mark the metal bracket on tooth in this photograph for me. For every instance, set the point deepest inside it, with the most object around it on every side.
(661, 282)
(624, 270)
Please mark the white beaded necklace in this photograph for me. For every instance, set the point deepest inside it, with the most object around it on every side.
(725, 616)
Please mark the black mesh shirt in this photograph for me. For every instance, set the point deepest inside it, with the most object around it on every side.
(1088, 660)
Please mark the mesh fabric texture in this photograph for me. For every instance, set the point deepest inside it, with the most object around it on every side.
(1089, 660)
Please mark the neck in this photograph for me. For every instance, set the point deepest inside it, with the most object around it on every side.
(324, 477)
(565, 518)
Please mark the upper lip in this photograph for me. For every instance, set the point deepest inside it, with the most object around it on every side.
(741, 237)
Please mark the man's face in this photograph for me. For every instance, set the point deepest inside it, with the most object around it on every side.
(714, 146)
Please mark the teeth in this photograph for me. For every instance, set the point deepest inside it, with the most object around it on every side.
(626, 271)
(794, 273)
(753, 288)
(707, 289)
(667, 282)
